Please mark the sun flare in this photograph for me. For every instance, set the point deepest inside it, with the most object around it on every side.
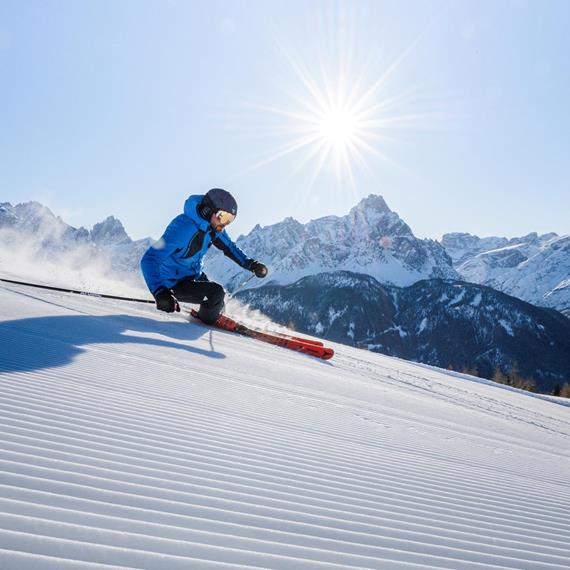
(337, 127)
(341, 113)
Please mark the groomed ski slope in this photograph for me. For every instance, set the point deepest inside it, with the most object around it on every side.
(134, 439)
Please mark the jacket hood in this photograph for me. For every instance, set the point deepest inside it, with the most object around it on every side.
(191, 210)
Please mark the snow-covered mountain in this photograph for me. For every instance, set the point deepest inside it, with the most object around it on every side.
(109, 232)
(452, 324)
(37, 222)
(535, 268)
(371, 239)
(462, 247)
(133, 439)
(31, 236)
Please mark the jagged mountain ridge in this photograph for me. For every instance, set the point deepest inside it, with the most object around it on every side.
(39, 221)
(371, 239)
(444, 323)
(33, 229)
(535, 268)
(462, 247)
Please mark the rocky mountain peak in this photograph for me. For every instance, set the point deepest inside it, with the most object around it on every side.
(7, 217)
(533, 267)
(34, 222)
(108, 232)
(370, 239)
(34, 219)
(371, 202)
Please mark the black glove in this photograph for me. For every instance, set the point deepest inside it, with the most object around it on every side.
(166, 301)
(258, 268)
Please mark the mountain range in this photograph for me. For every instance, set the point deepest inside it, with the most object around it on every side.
(39, 223)
(535, 268)
(451, 324)
(31, 231)
(374, 240)
(365, 279)
(370, 239)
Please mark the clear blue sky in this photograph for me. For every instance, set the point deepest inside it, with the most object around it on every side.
(126, 107)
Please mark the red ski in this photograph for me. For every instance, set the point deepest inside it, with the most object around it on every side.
(304, 345)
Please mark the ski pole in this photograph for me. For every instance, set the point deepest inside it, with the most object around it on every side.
(240, 287)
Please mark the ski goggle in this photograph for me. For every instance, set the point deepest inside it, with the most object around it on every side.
(224, 217)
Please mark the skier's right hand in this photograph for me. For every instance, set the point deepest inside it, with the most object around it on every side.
(166, 301)
(258, 268)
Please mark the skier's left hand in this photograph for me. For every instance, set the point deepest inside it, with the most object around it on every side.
(258, 268)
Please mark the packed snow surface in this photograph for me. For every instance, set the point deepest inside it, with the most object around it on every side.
(135, 439)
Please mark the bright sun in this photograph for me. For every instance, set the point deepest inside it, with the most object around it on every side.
(338, 115)
(338, 127)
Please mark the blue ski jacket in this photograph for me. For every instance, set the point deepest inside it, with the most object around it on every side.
(178, 254)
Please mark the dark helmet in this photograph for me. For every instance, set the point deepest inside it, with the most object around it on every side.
(217, 199)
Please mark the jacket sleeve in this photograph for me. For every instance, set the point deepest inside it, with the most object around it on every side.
(175, 238)
(224, 243)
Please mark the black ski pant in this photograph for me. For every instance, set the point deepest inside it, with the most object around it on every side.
(210, 295)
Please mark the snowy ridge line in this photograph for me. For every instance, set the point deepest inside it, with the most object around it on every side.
(172, 521)
(145, 442)
(87, 550)
(315, 489)
(383, 474)
(358, 537)
(187, 541)
(430, 549)
(252, 476)
(372, 474)
(180, 533)
(456, 522)
(410, 521)
(540, 447)
(26, 561)
(385, 513)
(256, 503)
(234, 489)
(168, 533)
(142, 558)
(480, 498)
(297, 477)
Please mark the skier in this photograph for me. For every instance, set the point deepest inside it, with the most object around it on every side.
(172, 267)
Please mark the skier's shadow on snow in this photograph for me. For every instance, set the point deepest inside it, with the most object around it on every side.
(49, 342)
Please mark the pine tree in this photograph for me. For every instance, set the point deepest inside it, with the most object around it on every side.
(499, 376)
